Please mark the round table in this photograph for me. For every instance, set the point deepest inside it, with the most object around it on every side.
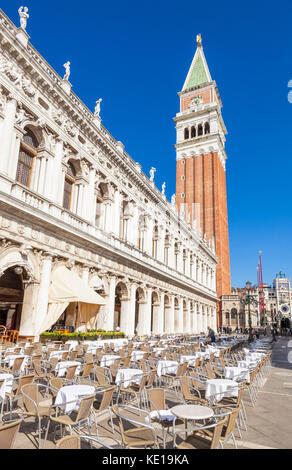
(166, 367)
(191, 412)
(73, 393)
(126, 376)
(194, 412)
(241, 373)
(7, 384)
(62, 367)
(216, 389)
(108, 360)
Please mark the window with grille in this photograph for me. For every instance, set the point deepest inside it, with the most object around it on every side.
(27, 152)
(68, 186)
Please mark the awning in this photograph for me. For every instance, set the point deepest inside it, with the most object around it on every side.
(66, 287)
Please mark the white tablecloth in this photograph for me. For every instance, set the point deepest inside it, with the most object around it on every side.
(9, 360)
(7, 385)
(191, 360)
(127, 376)
(57, 354)
(137, 355)
(247, 364)
(108, 360)
(62, 367)
(73, 345)
(158, 351)
(73, 393)
(166, 367)
(216, 389)
(237, 373)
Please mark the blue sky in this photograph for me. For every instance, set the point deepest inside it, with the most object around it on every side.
(135, 56)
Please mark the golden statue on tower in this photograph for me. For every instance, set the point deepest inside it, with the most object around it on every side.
(199, 39)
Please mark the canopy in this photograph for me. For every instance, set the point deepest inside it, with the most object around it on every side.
(66, 286)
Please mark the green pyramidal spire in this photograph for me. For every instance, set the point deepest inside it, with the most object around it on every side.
(198, 72)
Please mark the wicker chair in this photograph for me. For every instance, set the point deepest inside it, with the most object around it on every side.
(104, 407)
(16, 392)
(83, 414)
(34, 405)
(75, 442)
(140, 434)
(199, 441)
(8, 434)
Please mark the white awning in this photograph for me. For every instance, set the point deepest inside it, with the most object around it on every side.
(66, 286)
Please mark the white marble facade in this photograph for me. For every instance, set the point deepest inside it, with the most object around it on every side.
(69, 193)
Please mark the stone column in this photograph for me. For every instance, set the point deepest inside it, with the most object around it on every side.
(35, 301)
(110, 304)
(7, 136)
(181, 316)
(161, 324)
(188, 319)
(131, 311)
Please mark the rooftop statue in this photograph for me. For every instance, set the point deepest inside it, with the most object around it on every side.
(152, 171)
(68, 71)
(23, 17)
(97, 107)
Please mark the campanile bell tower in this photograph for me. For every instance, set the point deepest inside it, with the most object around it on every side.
(200, 176)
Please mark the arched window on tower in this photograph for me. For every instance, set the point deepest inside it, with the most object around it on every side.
(27, 152)
(200, 129)
(68, 186)
(207, 128)
(187, 133)
(193, 131)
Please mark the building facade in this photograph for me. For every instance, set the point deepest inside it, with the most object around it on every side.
(71, 196)
(201, 157)
(277, 309)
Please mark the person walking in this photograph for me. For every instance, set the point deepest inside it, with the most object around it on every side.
(211, 335)
(274, 333)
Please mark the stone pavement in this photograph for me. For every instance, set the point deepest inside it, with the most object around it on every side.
(269, 421)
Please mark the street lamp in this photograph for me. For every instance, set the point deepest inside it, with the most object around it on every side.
(248, 299)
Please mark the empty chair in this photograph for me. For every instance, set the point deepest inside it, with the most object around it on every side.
(199, 441)
(104, 406)
(8, 434)
(140, 434)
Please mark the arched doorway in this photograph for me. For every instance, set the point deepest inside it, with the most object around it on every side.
(11, 296)
(121, 307)
(139, 325)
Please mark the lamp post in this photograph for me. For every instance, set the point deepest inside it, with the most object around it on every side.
(248, 299)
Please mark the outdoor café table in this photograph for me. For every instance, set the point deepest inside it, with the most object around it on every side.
(255, 356)
(191, 412)
(237, 373)
(126, 376)
(62, 366)
(191, 359)
(136, 355)
(73, 393)
(9, 360)
(73, 344)
(216, 389)
(108, 359)
(7, 385)
(158, 351)
(247, 364)
(166, 367)
(57, 354)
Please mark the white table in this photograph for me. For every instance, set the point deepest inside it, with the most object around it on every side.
(62, 367)
(216, 389)
(247, 364)
(73, 393)
(126, 376)
(137, 355)
(9, 360)
(108, 359)
(73, 345)
(7, 385)
(158, 351)
(166, 367)
(193, 412)
(241, 373)
(191, 359)
(57, 354)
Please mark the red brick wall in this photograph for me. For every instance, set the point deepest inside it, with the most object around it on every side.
(205, 184)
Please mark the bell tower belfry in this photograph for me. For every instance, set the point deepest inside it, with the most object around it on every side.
(200, 153)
